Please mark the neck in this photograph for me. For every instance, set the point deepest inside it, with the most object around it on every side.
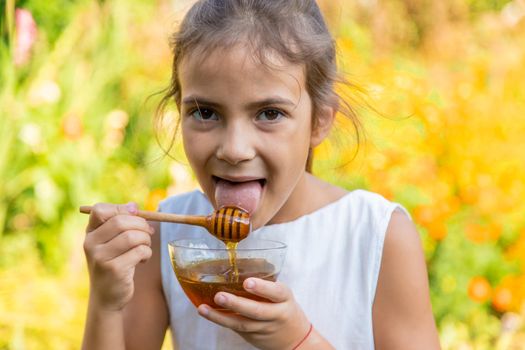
(309, 195)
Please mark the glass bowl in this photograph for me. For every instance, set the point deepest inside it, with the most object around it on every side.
(204, 266)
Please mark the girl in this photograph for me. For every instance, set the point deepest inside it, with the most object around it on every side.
(253, 82)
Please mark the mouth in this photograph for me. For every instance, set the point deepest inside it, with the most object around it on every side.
(244, 192)
(239, 180)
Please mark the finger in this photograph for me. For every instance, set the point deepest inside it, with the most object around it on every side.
(115, 226)
(273, 291)
(121, 244)
(237, 323)
(102, 212)
(255, 310)
(132, 257)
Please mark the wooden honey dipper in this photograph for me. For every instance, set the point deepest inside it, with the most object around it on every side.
(229, 224)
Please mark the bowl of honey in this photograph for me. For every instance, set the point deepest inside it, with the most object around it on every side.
(206, 266)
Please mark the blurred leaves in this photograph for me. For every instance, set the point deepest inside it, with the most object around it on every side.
(74, 129)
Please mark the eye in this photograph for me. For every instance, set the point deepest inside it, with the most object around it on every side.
(204, 114)
(270, 115)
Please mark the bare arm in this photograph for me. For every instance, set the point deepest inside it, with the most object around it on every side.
(98, 322)
(126, 306)
(402, 312)
(146, 315)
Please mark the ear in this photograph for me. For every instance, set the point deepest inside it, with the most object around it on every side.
(325, 117)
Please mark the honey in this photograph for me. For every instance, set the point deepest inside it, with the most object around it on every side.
(232, 254)
(201, 281)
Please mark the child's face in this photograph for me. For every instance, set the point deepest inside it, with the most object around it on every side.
(248, 124)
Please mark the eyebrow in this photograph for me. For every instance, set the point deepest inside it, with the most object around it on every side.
(274, 100)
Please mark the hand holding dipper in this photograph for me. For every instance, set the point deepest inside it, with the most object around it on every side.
(229, 224)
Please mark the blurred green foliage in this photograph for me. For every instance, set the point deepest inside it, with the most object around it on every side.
(76, 128)
(65, 136)
(52, 16)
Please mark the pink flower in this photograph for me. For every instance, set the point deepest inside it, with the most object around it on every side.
(26, 32)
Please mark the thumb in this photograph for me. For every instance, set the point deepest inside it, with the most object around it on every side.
(102, 212)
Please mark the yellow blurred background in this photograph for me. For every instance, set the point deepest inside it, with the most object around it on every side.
(438, 86)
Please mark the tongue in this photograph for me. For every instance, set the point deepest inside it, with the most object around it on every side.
(245, 195)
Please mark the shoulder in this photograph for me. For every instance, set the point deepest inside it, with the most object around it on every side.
(373, 210)
(402, 244)
(368, 200)
(402, 308)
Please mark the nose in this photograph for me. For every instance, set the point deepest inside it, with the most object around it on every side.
(236, 144)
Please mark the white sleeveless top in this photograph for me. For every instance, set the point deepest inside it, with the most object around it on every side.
(339, 246)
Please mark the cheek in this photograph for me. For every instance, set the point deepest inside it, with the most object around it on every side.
(196, 148)
(189, 150)
(301, 143)
(197, 156)
(289, 156)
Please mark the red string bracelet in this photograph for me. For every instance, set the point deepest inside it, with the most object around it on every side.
(306, 336)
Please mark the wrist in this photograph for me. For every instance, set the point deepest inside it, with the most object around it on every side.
(314, 341)
(99, 320)
(99, 310)
(100, 305)
(304, 338)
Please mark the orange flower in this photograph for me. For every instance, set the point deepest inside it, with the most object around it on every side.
(469, 195)
(478, 233)
(433, 219)
(503, 299)
(154, 198)
(479, 289)
(424, 215)
(437, 230)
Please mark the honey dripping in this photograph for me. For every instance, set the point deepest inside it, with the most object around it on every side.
(232, 254)
(203, 280)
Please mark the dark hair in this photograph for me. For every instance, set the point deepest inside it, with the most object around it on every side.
(293, 29)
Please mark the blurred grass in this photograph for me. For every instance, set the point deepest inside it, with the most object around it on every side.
(445, 140)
